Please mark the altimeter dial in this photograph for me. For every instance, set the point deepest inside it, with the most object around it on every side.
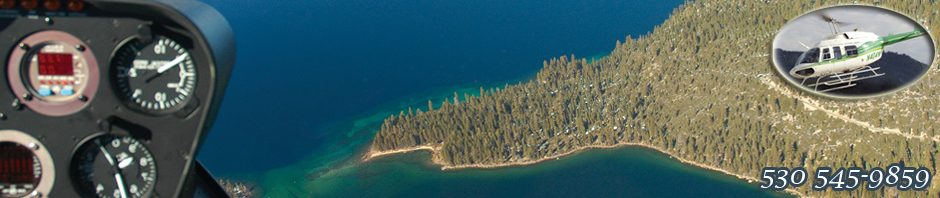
(157, 76)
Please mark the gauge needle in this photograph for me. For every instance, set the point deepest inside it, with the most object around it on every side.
(120, 184)
(117, 172)
(106, 154)
(167, 66)
(171, 64)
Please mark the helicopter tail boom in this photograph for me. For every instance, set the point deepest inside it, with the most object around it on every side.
(896, 38)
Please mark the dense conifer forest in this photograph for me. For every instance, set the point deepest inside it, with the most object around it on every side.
(699, 86)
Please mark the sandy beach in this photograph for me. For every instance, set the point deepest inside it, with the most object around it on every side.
(372, 154)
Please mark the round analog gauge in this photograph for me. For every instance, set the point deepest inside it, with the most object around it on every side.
(156, 76)
(53, 73)
(114, 166)
(25, 166)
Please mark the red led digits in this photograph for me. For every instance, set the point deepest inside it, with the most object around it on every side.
(57, 64)
(16, 164)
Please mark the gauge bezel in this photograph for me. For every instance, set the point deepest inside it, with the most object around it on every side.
(128, 102)
(18, 64)
(47, 177)
(75, 178)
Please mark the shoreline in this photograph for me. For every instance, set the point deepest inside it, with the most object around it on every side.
(376, 154)
(372, 154)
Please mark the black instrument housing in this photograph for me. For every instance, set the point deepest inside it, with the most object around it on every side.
(104, 25)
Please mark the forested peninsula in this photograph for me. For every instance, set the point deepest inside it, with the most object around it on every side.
(699, 87)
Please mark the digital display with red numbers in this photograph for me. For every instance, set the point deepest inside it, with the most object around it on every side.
(16, 164)
(56, 64)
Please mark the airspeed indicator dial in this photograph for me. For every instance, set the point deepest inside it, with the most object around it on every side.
(114, 166)
(156, 76)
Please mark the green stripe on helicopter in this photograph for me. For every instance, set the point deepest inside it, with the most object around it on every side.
(865, 52)
(870, 47)
(895, 38)
(890, 39)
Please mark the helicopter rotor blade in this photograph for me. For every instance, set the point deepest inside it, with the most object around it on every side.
(829, 19)
(835, 24)
(804, 45)
(825, 17)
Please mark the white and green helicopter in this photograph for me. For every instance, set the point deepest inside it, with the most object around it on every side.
(843, 59)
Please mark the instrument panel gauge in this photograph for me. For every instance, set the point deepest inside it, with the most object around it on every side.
(114, 166)
(26, 168)
(155, 77)
(21, 170)
(53, 72)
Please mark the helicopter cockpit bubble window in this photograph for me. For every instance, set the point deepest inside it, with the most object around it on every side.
(810, 56)
(851, 50)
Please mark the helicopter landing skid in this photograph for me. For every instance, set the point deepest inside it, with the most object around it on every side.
(843, 80)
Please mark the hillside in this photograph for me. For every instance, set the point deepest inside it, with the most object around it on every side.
(700, 87)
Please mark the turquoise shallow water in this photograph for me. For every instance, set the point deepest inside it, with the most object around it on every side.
(315, 78)
(620, 172)
(308, 69)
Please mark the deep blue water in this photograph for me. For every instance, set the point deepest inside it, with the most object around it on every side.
(307, 69)
(314, 79)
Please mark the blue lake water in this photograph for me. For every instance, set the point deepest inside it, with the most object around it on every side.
(314, 79)
(621, 172)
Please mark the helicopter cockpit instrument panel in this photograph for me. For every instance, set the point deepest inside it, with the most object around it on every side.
(107, 98)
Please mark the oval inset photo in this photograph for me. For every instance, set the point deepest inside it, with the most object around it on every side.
(852, 51)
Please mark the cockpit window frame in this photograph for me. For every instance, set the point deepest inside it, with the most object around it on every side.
(810, 56)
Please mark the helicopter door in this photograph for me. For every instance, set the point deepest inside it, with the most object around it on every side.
(837, 51)
(825, 54)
